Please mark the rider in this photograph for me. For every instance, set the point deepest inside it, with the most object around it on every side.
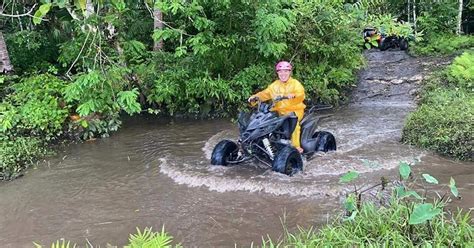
(285, 86)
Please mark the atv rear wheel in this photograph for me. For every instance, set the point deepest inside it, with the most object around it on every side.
(224, 152)
(288, 161)
(326, 142)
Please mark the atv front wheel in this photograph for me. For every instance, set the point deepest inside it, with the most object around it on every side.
(224, 152)
(288, 161)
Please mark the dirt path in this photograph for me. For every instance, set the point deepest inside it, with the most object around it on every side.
(393, 77)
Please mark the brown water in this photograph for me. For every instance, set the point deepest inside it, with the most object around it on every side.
(156, 172)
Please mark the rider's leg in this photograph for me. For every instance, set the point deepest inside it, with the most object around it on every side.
(296, 135)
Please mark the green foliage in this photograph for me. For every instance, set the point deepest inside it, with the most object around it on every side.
(17, 153)
(150, 239)
(444, 120)
(385, 227)
(386, 24)
(35, 107)
(58, 244)
(430, 179)
(446, 126)
(405, 220)
(461, 71)
(348, 177)
(404, 170)
(31, 51)
(146, 239)
(442, 44)
(437, 17)
(422, 213)
(213, 43)
(95, 93)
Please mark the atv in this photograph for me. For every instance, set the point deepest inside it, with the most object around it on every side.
(266, 137)
(373, 38)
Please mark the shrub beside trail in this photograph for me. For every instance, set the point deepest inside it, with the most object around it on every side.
(443, 122)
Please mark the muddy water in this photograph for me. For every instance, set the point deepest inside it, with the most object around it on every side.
(156, 172)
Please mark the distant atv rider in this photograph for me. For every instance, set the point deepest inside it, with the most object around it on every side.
(288, 87)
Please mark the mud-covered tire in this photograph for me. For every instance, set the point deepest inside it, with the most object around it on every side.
(288, 161)
(326, 142)
(403, 44)
(223, 152)
(385, 44)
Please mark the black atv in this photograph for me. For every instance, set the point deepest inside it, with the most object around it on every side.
(393, 41)
(266, 136)
(373, 37)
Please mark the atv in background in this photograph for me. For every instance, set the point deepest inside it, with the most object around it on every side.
(373, 38)
(266, 136)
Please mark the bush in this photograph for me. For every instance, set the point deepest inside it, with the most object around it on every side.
(443, 124)
(31, 51)
(18, 153)
(462, 71)
(443, 44)
(402, 219)
(444, 120)
(142, 239)
(225, 58)
(34, 107)
(386, 227)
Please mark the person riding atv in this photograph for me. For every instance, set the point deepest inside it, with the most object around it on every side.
(285, 86)
(374, 38)
(271, 134)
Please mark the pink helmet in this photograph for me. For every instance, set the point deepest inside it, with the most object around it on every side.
(283, 65)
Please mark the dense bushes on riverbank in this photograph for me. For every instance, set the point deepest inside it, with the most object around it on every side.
(444, 119)
(404, 218)
(385, 227)
(209, 65)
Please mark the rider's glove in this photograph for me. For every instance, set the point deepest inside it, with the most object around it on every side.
(253, 99)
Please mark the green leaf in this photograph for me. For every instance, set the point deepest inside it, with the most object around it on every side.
(401, 193)
(422, 213)
(452, 186)
(349, 176)
(44, 8)
(37, 17)
(82, 4)
(430, 179)
(352, 217)
(405, 170)
(84, 123)
(350, 203)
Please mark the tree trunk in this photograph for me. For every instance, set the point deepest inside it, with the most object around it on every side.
(89, 9)
(157, 24)
(5, 65)
(414, 15)
(408, 10)
(458, 31)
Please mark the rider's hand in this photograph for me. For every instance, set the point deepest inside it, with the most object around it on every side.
(291, 96)
(278, 98)
(253, 99)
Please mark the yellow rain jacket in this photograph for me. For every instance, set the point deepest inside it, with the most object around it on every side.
(284, 107)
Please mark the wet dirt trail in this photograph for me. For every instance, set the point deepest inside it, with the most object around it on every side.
(156, 172)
